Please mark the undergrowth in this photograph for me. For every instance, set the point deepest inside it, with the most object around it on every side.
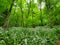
(29, 36)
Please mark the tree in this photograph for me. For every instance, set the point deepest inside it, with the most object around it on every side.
(5, 25)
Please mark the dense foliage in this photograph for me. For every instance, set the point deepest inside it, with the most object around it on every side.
(29, 22)
(29, 13)
(29, 36)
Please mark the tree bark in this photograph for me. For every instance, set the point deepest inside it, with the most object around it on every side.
(22, 21)
(5, 25)
(41, 15)
(58, 42)
(28, 15)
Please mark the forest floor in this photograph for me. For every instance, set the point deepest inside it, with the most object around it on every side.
(40, 35)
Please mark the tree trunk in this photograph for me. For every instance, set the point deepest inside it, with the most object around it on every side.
(5, 25)
(58, 42)
(21, 9)
(22, 18)
(41, 14)
(27, 15)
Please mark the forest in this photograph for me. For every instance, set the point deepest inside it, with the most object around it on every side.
(29, 22)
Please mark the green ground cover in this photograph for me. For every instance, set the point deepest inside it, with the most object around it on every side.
(29, 36)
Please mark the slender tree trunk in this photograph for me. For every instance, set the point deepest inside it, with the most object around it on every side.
(28, 14)
(41, 14)
(5, 25)
(22, 18)
(27, 17)
(32, 13)
(22, 21)
(48, 6)
(32, 20)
